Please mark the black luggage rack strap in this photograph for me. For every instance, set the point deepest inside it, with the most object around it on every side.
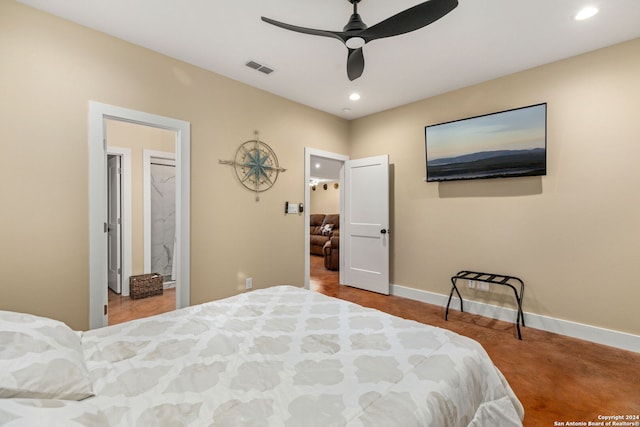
(498, 279)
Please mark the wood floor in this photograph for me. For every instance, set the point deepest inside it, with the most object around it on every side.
(122, 309)
(558, 379)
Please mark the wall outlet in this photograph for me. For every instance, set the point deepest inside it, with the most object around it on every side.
(482, 286)
(472, 284)
(248, 283)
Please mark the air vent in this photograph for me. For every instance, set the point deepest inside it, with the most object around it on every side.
(259, 67)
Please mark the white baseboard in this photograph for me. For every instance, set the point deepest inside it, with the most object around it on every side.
(595, 334)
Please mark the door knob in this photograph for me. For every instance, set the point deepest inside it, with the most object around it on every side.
(383, 231)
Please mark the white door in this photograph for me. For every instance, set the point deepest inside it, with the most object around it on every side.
(366, 234)
(114, 219)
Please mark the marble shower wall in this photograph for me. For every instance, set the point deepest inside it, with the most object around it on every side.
(163, 218)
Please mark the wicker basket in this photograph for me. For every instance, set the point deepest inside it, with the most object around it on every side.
(145, 285)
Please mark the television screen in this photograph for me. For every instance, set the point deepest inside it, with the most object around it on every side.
(498, 145)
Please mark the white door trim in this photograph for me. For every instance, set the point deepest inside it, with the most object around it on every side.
(147, 155)
(308, 152)
(98, 201)
(125, 165)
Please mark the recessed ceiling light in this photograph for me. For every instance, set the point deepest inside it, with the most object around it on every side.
(586, 13)
(354, 96)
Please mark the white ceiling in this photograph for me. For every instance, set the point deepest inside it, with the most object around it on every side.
(324, 169)
(478, 41)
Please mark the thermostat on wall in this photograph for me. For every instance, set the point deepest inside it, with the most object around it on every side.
(293, 208)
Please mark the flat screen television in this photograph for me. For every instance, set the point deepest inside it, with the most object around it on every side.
(505, 144)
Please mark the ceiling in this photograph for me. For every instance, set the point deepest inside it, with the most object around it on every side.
(477, 41)
(324, 169)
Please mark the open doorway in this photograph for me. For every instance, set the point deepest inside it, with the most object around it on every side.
(118, 218)
(114, 222)
(147, 187)
(160, 215)
(99, 114)
(324, 221)
(364, 220)
(324, 198)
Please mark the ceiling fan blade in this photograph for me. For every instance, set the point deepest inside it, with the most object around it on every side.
(324, 33)
(355, 63)
(410, 19)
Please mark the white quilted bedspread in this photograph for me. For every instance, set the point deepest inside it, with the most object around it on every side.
(285, 356)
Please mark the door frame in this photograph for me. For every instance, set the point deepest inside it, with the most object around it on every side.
(98, 200)
(125, 227)
(308, 152)
(147, 156)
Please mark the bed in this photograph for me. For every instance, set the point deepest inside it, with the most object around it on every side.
(281, 356)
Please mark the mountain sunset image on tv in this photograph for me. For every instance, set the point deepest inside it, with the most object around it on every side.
(499, 145)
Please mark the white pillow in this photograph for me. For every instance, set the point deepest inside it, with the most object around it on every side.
(50, 413)
(41, 358)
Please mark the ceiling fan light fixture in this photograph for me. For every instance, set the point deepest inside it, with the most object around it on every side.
(355, 42)
(586, 13)
(356, 33)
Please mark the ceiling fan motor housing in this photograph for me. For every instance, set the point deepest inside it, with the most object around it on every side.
(355, 23)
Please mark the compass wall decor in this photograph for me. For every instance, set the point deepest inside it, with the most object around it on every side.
(256, 165)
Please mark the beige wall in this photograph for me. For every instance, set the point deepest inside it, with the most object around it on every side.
(325, 201)
(138, 138)
(50, 71)
(572, 235)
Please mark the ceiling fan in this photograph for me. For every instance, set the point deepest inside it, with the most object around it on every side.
(356, 33)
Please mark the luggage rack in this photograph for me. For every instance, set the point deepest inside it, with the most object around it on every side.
(498, 279)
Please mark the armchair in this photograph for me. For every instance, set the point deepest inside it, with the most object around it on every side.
(332, 254)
